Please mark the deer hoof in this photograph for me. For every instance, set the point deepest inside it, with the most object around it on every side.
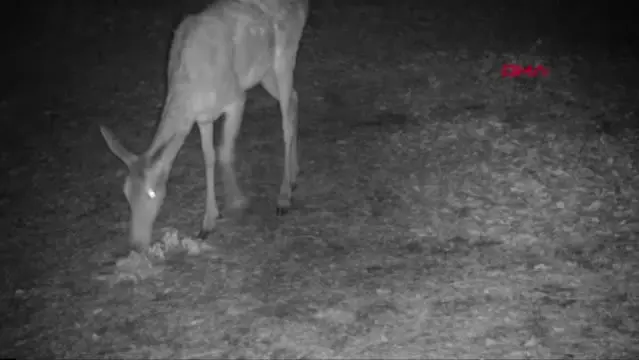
(281, 211)
(203, 234)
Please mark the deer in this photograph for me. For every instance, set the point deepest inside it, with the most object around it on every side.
(215, 57)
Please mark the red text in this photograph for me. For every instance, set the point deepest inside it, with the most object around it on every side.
(513, 70)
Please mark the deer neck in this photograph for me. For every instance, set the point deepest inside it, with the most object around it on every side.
(173, 129)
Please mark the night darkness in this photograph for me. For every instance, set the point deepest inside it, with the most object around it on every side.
(467, 184)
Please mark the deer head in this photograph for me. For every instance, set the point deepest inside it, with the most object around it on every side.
(144, 187)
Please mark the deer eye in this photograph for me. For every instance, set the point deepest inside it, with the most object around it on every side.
(151, 193)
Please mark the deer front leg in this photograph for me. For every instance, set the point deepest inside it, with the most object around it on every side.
(288, 107)
(235, 200)
(212, 211)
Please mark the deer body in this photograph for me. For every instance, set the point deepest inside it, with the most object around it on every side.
(215, 57)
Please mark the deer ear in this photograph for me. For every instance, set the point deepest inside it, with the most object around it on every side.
(116, 148)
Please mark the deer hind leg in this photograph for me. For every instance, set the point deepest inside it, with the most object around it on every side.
(235, 200)
(279, 83)
(212, 212)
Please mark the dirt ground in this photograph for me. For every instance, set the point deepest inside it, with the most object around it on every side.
(443, 210)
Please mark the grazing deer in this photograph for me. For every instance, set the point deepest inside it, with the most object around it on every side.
(215, 57)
